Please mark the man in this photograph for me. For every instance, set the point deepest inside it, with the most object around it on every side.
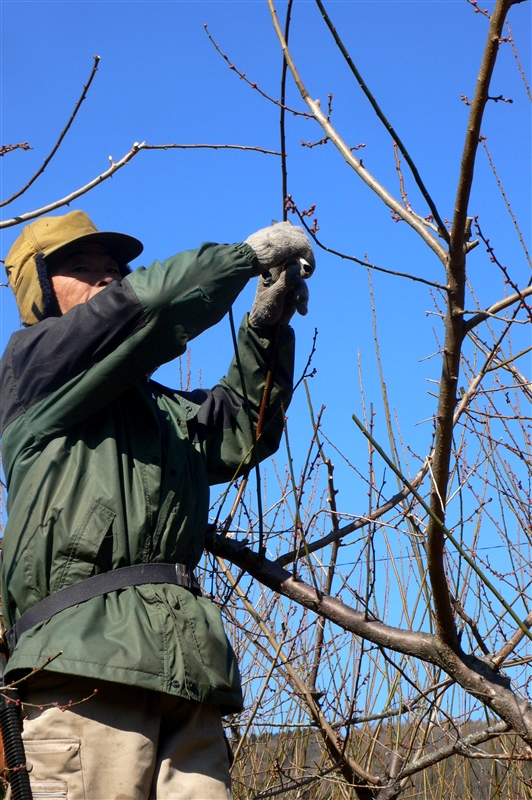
(108, 475)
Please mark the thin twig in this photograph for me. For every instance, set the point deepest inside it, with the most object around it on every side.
(460, 746)
(282, 114)
(61, 137)
(516, 56)
(512, 643)
(277, 790)
(176, 146)
(460, 610)
(505, 198)
(8, 148)
(404, 708)
(348, 767)
(360, 522)
(265, 686)
(433, 284)
(399, 173)
(493, 258)
(242, 76)
(34, 671)
(473, 129)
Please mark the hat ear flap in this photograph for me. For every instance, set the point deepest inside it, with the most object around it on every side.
(49, 304)
(25, 283)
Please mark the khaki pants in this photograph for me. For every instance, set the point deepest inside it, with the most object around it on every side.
(124, 743)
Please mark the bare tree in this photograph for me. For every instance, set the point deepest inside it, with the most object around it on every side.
(385, 653)
(450, 656)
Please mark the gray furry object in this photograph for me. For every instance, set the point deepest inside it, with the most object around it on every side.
(278, 243)
(281, 292)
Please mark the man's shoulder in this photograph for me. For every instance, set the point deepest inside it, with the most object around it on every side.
(28, 333)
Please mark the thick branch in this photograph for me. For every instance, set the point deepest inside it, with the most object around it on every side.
(495, 308)
(460, 746)
(276, 578)
(454, 333)
(475, 675)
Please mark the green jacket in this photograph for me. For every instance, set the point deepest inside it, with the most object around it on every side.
(106, 468)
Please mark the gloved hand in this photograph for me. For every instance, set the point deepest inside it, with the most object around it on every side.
(281, 292)
(276, 244)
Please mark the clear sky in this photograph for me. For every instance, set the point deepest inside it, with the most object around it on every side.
(160, 80)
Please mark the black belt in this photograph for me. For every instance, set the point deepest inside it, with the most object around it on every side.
(97, 585)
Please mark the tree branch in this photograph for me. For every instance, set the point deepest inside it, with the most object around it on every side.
(312, 232)
(512, 643)
(8, 148)
(354, 163)
(473, 131)
(454, 333)
(433, 519)
(460, 746)
(500, 305)
(276, 578)
(361, 522)
(242, 76)
(442, 230)
(282, 115)
(61, 137)
(115, 166)
(475, 675)
(347, 766)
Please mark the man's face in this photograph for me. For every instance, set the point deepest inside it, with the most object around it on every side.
(79, 275)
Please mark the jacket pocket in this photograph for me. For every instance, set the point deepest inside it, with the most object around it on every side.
(80, 558)
(49, 790)
(166, 516)
(55, 769)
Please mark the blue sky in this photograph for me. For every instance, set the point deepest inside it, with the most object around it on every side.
(160, 80)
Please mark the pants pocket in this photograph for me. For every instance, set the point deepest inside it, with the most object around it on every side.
(55, 770)
(49, 790)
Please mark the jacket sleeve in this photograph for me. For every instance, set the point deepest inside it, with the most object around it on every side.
(224, 426)
(64, 369)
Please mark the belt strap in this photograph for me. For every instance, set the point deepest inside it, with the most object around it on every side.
(97, 585)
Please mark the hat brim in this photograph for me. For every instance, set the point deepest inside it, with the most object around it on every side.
(121, 247)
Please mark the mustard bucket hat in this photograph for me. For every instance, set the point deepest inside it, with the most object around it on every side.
(25, 264)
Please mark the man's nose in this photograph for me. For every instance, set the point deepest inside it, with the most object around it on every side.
(101, 277)
(104, 279)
